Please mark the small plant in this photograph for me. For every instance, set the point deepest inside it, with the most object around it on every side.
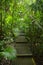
(7, 52)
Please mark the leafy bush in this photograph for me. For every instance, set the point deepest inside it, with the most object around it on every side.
(7, 51)
(35, 38)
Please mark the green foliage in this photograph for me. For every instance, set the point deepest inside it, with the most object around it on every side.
(7, 51)
(26, 15)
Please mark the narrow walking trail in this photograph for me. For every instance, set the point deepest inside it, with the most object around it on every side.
(24, 55)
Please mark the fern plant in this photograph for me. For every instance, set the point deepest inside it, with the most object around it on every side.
(7, 51)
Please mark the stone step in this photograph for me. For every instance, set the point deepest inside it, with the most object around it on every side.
(22, 48)
(21, 39)
(24, 55)
(23, 61)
